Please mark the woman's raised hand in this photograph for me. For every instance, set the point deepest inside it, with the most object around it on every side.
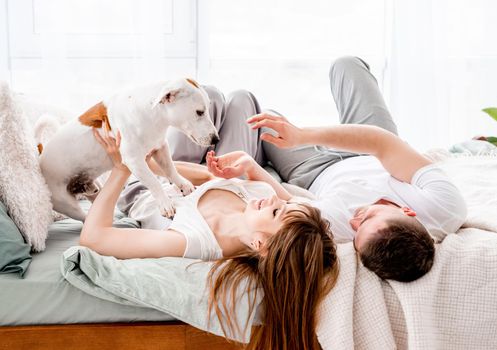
(229, 165)
(111, 146)
(288, 135)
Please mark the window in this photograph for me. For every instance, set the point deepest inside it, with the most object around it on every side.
(434, 60)
(282, 50)
(72, 53)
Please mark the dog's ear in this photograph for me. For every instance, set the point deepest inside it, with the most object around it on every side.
(193, 82)
(95, 116)
(168, 95)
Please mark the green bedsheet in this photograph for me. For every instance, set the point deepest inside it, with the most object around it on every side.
(45, 297)
(175, 286)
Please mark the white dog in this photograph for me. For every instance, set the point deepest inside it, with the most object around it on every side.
(73, 159)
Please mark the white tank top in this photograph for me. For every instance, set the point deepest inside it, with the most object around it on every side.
(201, 242)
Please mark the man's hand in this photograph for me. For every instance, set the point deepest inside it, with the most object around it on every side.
(229, 165)
(288, 135)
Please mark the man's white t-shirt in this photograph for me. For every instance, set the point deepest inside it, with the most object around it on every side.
(360, 181)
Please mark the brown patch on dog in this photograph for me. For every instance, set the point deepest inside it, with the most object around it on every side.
(106, 121)
(193, 82)
(95, 116)
(40, 148)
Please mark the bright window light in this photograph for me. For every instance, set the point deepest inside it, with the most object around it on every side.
(282, 50)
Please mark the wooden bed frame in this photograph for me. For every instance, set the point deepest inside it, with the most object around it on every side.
(116, 336)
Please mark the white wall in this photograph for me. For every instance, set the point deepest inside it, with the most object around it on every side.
(442, 69)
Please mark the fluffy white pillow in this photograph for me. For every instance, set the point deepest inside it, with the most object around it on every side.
(23, 189)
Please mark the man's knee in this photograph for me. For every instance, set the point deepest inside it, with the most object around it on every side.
(241, 96)
(216, 97)
(217, 101)
(346, 63)
(214, 93)
(244, 100)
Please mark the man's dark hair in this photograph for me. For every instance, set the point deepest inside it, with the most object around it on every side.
(403, 251)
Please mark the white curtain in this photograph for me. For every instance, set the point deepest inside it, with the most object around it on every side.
(54, 72)
(436, 60)
(441, 69)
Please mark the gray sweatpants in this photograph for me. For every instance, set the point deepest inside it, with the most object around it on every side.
(357, 97)
(359, 101)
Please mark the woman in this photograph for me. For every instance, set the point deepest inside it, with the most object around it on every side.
(285, 249)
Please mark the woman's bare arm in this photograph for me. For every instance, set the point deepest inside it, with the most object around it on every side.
(197, 174)
(98, 233)
(239, 163)
(258, 173)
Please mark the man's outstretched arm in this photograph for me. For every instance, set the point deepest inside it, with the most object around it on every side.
(398, 158)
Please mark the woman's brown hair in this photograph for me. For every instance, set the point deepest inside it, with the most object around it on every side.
(296, 269)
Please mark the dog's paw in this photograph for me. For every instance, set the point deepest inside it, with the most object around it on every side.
(167, 209)
(186, 187)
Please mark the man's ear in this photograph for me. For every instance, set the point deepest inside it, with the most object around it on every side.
(168, 95)
(408, 211)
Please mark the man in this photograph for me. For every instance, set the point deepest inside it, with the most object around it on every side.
(385, 196)
(389, 199)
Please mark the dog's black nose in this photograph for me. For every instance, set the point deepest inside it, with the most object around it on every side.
(214, 140)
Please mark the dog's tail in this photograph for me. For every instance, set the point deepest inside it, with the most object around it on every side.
(46, 126)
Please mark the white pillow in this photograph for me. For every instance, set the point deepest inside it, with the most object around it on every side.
(23, 189)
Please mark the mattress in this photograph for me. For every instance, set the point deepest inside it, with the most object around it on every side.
(43, 296)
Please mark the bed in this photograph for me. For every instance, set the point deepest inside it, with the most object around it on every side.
(451, 307)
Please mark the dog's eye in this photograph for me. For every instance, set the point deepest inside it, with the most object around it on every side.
(200, 113)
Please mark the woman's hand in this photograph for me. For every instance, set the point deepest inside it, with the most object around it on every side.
(229, 165)
(288, 135)
(111, 146)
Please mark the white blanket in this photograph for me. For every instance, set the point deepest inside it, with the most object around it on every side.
(453, 307)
